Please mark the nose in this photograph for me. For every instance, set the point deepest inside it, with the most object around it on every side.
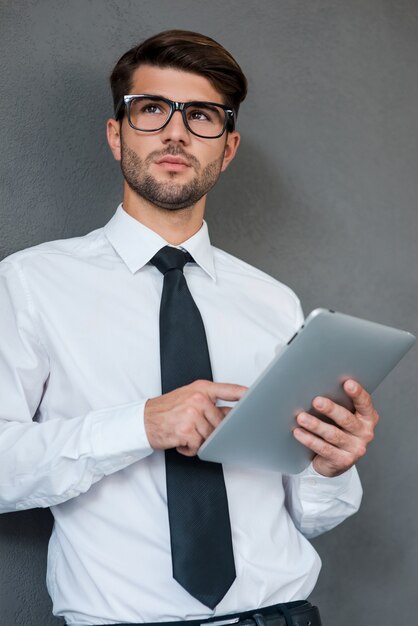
(176, 130)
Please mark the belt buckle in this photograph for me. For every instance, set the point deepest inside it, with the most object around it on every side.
(222, 622)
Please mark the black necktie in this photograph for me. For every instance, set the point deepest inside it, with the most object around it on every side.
(200, 530)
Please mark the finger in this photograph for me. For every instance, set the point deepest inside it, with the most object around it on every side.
(340, 415)
(328, 432)
(186, 451)
(200, 404)
(194, 438)
(362, 400)
(212, 413)
(226, 391)
(204, 428)
(338, 457)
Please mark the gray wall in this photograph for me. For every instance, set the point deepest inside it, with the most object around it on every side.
(322, 196)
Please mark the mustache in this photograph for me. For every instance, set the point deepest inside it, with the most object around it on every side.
(173, 151)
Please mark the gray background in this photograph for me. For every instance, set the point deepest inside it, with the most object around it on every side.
(322, 195)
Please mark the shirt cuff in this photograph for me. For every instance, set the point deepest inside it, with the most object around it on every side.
(118, 436)
(312, 483)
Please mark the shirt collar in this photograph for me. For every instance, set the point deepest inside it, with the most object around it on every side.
(136, 244)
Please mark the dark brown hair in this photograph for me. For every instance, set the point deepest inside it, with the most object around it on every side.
(187, 51)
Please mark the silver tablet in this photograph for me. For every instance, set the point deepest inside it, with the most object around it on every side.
(328, 349)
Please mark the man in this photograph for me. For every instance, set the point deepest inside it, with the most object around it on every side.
(102, 342)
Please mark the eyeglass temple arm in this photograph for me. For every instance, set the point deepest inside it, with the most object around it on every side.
(119, 106)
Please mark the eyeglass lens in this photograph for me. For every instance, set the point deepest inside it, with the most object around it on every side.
(151, 114)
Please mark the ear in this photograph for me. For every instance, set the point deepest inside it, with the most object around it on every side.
(113, 138)
(231, 147)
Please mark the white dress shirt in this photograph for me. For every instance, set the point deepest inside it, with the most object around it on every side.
(79, 357)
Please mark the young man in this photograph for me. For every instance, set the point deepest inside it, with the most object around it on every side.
(102, 342)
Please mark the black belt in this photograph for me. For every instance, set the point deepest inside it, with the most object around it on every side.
(300, 613)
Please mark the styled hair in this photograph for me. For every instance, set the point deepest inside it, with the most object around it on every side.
(187, 51)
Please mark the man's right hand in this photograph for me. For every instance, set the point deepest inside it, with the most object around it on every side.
(185, 417)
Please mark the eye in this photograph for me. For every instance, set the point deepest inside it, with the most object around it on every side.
(204, 113)
(145, 107)
(200, 115)
(150, 108)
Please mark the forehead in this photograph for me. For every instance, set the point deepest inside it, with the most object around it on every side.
(173, 84)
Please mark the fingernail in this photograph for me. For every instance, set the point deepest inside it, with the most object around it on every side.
(303, 419)
(351, 386)
(319, 403)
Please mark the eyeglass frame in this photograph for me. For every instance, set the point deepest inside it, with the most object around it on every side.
(229, 118)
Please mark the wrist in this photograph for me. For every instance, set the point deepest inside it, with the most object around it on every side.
(323, 468)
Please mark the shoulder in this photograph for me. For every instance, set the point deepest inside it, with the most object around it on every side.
(257, 284)
(54, 251)
(227, 264)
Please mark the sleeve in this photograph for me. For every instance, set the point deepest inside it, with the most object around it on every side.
(317, 503)
(43, 464)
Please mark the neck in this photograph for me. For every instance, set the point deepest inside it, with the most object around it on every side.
(175, 226)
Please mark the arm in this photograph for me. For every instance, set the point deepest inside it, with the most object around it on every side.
(329, 491)
(317, 503)
(42, 464)
(45, 464)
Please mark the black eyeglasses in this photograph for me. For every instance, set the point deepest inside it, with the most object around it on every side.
(151, 113)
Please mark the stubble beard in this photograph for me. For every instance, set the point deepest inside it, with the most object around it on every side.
(169, 195)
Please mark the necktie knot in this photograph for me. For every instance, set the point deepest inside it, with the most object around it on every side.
(169, 258)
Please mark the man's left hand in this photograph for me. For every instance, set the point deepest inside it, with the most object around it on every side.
(338, 446)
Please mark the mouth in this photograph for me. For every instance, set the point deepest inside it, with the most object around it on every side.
(173, 163)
